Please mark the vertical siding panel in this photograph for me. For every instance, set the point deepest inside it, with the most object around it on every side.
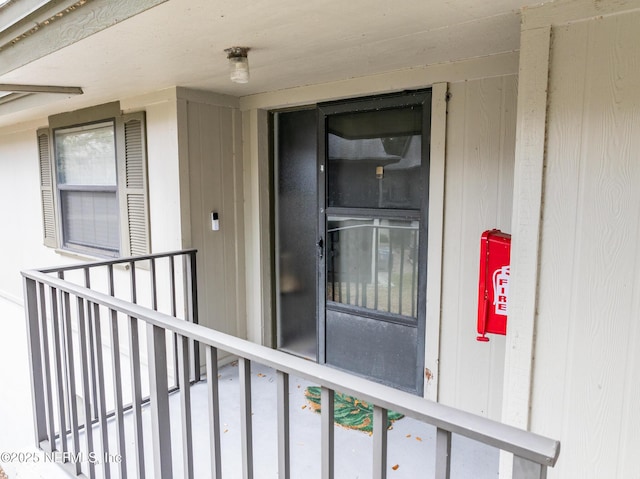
(195, 195)
(507, 151)
(480, 157)
(610, 210)
(213, 187)
(228, 199)
(559, 249)
(238, 214)
(628, 37)
(504, 200)
(481, 191)
(449, 327)
(213, 200)
(586, 371)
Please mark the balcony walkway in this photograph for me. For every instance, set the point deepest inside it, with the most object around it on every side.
(411, 443)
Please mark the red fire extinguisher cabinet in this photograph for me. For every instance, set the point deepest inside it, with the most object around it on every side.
(493, 284)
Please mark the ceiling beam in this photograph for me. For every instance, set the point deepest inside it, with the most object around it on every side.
(69, 90)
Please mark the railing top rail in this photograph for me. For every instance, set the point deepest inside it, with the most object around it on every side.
(125, 260)
(528, 445)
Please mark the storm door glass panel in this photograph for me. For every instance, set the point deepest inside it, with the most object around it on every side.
(296, 199)
(372, 263)
(374, 159)
(87, 185)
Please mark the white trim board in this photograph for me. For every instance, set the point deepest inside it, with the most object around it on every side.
(413, 78)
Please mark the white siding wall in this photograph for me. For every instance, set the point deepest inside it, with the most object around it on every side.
(164, 196)
(21, 239)
(586, 380)
(21, 245)
(479, 185)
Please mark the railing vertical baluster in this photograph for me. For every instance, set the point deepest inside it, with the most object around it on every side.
(63, 348)
(331, 258)
(246, 426)
(214, 411)
(55, 322)
(338, 275)
(389, 270)
(191, 295)
(185, 406)
(414, 274)
(443, 454)
(379, 442)
(92, 375)
(376, 258)
(46, 367)
(526, 469)
(101, 405)
(347, 262)
(117, 380)
(71, 378)
(160, 424)
(85, 365)
(35, 359)
(154, 291)
(284, 447)
(134, 350)
(172, 294)
(356, 233)
(401, 279)
(327, 456)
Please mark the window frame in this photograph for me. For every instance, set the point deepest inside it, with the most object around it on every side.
(131, 180)
(65, 243)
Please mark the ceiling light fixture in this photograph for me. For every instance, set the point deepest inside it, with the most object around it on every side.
(238, 64)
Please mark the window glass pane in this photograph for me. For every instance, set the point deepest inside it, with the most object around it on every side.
(86, 155)
(373, 263)
(374, 159)
(90, 219)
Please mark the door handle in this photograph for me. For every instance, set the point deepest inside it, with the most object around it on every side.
(320, 245)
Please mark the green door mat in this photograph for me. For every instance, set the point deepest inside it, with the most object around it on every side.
(349, 412)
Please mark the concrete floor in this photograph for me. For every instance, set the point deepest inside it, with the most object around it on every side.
(411, 444)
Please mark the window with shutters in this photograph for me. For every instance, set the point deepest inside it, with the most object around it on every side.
(93, 186)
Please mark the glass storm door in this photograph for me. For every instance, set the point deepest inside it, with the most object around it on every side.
(372, 192)
(350, 205)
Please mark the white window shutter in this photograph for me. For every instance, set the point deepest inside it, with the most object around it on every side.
(46, 189)
(134, 189)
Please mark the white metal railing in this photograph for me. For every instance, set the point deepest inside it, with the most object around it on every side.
(51, 336)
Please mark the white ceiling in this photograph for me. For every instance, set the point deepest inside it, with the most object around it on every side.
(293, 43)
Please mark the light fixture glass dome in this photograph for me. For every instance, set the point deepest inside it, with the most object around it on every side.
(238, 64)
(239, 69)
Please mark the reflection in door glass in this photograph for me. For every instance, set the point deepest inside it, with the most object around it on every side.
(375, 158)
(372, 263)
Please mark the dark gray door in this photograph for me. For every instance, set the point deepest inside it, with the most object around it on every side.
(351, 189)
(373, 190)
